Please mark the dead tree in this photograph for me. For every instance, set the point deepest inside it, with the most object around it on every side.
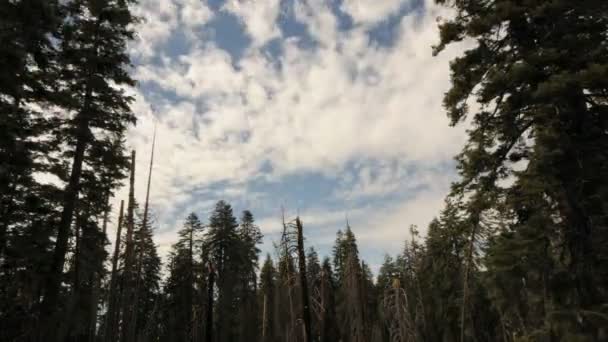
(111, 319)
(140, 250)
(292, 241)
(303, 282)
(127, 298)
(98, 276)
(401, 326)
(209, 328)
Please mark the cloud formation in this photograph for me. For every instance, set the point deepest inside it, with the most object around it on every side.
(365, 118)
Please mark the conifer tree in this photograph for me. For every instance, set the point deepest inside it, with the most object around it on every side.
(180, 289)
(537, 73)
(220, 239)
(249, 237)
(93, 60)
(28, 208)
(267, 293)
(328, 321)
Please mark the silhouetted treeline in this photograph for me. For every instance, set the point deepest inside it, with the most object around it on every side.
(519, 252)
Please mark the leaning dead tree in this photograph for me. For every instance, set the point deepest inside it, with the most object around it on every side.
(399, 322)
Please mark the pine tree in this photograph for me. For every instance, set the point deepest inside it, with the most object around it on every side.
(328, 321)
(351, 286)
(537, 72)
(147, 299)
(180, 289)
(220, 239)
(267, 293)
(249, 237)
(28, 208)
(94, 59)
(111, 318)
(314, 277)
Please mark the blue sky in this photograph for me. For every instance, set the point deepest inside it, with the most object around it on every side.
(326, 108)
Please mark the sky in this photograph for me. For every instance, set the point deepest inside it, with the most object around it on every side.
(330, 109)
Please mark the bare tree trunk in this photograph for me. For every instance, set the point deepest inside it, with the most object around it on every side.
(144, 227)
(111, 321)
(465, 282)
(209, 328)
(264, 317)
(128, 270)
(303, 283)
(97, 278)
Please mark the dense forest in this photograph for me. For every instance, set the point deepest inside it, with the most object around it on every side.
(519, 252)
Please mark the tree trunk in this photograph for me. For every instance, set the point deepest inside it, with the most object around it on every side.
(303, 283)
(70, 197)
(111, 321)
(465, 282)
(209, 328)
(128, 286)
(140, 255)
(264, 317)
(92, 319)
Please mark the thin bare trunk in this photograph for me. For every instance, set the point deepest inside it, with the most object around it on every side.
(144, 227)
(127, 302)
(111, 319)
(465, 282)
(264, 317)
(209, 328)
(303, 283)
(97, 277)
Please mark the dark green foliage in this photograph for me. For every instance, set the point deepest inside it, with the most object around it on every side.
(181, 288)
(93, 60)
(538, 73)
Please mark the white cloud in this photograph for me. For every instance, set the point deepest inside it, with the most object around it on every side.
(371, 11)
(323, 109)
(259, 18)
(160, 18)
(194, 13)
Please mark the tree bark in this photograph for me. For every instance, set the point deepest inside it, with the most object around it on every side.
(70, 197)
(303, 283)
(127, 302)
(209, 328)
(111, 320)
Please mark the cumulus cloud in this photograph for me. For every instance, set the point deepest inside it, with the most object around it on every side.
(258, 17)
(368, 117)
(194, 13)
(371, 11)
(161, 19)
